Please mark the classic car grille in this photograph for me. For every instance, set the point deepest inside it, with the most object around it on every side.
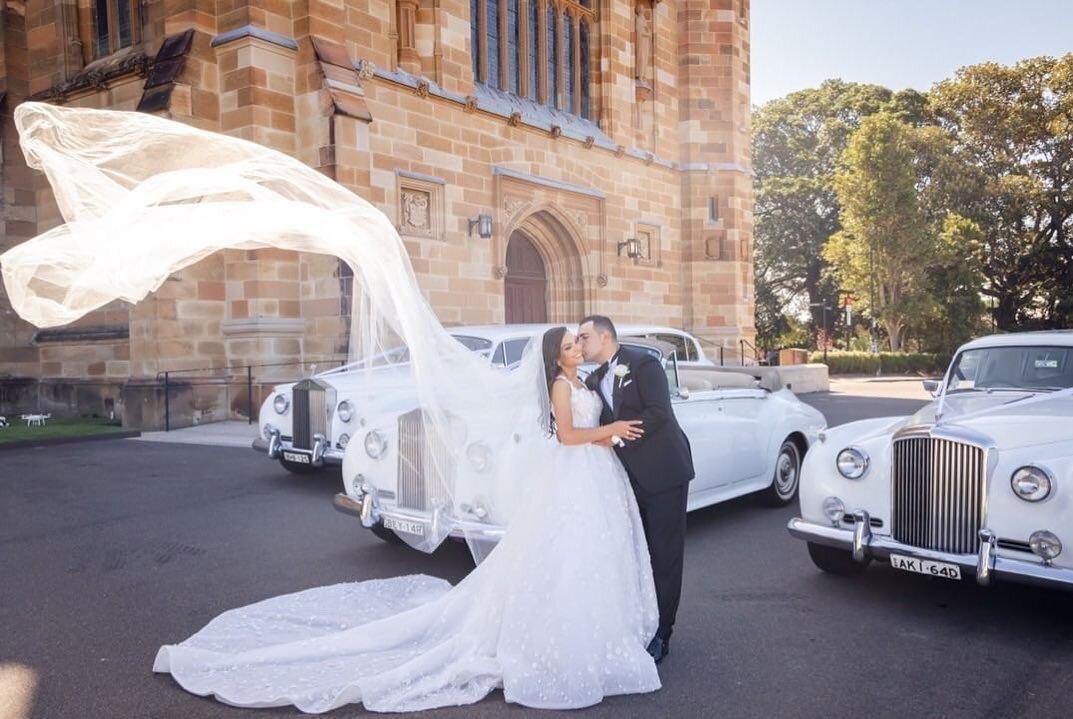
(939, 490)
(418, 461)
(310, 413)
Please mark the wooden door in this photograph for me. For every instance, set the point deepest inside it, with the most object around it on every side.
(526, 285)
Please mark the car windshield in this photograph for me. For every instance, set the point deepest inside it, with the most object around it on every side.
(1026, 369)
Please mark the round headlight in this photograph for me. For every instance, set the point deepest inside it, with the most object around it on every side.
(375, 444)
(1045, 544)
(281, 404)
(834, 509)
(267, 431)
(480, 456)
(345, 411)
(852, 463)
(344, 440)
(1032, 484)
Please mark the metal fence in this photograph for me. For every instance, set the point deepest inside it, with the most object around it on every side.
(246, 376)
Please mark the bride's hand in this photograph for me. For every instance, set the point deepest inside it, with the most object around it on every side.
(627, 429)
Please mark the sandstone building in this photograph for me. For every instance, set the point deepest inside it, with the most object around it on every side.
(542, 159)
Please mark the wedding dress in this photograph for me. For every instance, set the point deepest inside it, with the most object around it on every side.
(558, 615)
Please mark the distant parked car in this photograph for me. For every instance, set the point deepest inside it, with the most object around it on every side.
(979, 482)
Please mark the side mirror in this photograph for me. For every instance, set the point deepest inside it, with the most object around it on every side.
(682, 393)
(931, 386)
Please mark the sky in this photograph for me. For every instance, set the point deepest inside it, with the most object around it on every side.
(798, 44)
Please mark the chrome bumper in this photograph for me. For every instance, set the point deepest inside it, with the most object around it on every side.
(986, 565)
(322, 453)
(368, 510)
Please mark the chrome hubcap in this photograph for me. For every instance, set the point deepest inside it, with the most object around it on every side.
(786, 472)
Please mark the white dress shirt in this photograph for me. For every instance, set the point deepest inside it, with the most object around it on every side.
(607, 383)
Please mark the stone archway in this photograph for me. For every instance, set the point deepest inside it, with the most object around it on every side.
(544, 278)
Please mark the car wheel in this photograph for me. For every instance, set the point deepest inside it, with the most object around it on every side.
(386, 534)
(835, 561)
(297, 468)
(785, 479)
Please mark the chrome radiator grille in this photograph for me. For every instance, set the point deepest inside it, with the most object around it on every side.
(419, 459)
(310, 413)
(939, 490)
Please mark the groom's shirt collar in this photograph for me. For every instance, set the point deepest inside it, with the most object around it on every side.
(607, 382)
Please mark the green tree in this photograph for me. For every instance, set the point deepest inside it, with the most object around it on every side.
(797, 141)
(952, 311)
(884, 246)
(1013, 125)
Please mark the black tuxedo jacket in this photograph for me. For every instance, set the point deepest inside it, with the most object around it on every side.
(661, 459)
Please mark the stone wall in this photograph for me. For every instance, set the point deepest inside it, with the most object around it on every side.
(392, 112)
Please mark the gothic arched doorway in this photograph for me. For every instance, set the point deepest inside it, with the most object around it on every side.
(526, 283)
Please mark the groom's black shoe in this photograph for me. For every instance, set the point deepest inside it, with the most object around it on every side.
(659, 648)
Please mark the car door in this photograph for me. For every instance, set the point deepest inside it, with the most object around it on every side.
(699, 411)
(745, 436)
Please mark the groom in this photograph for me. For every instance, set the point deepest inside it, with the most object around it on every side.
(633, 385)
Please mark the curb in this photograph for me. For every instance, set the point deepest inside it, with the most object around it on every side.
(27, 443)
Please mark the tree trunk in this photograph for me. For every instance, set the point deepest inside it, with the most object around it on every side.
(894, 331)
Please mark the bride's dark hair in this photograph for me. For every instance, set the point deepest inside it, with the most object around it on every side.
(552, 347)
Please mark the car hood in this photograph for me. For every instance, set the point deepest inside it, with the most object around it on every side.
(354, 384)
(1011, 419)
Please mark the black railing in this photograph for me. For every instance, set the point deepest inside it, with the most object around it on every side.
(742, 344)
(237, 374)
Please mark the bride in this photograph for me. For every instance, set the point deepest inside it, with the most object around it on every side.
(558, 615)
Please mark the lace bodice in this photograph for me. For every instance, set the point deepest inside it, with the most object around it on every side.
(585, 404)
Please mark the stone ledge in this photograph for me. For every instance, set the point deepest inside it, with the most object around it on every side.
(82, 334)
(547, 182)
(263, 327)
(256, 32)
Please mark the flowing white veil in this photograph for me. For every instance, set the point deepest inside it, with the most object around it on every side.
(143, 197)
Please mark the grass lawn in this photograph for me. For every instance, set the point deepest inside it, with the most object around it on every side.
(56, 428)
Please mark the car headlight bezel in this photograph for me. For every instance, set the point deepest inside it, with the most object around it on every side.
(1045, 545)
(479, 455)
(345, 411)
(280, 403)
(834, 509)
(375, 444)
(852, 462)
(1021, 478)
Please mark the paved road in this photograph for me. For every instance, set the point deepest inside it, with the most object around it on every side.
(108, 550)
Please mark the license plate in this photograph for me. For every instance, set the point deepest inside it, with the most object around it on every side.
(296, 457)
(925, 566)
(405, 526)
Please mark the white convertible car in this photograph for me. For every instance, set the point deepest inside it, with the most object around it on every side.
(748, 434)
(306, 425)
(978, 482)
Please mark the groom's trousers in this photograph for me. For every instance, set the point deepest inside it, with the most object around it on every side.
(664, 518)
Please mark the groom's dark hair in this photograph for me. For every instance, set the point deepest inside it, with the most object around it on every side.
(602, 324)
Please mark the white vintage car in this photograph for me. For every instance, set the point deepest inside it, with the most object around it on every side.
(748, 434)
(306, 425)
(978, 482)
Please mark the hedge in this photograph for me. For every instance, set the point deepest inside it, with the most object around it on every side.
(887, 362)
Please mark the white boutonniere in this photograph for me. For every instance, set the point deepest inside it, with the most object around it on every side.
(621, 371)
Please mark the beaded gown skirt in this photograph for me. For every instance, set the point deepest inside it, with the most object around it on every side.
(557, 616)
